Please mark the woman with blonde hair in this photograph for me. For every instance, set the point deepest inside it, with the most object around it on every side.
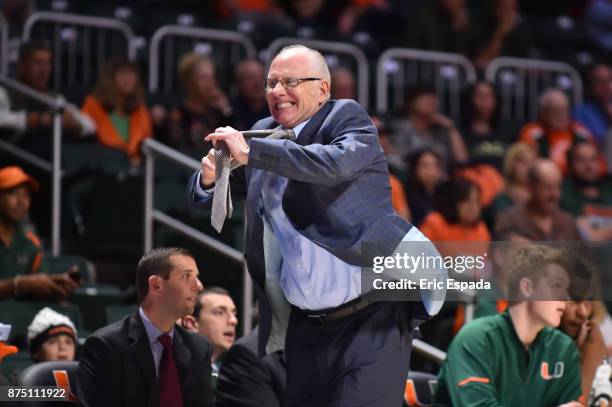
(204, 108)
(117, 106)
(517, 161)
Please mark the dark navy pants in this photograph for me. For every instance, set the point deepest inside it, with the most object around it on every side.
(358, 361)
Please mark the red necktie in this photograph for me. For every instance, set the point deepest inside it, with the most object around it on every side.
(170, 392)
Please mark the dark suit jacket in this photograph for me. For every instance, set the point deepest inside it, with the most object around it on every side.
(117, 367)
(245, 380)
(338, 193)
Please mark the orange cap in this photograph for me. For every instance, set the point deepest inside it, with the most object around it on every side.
(13, 176)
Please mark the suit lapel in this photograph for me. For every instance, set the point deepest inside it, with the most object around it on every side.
(144, 355)
(309, 131)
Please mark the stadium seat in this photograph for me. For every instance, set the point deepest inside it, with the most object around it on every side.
(112, 216)
(61, 264)
(115, 313)
(86, 156)
(12, 366)
(93, 300)
(419, 389)
(60, 374)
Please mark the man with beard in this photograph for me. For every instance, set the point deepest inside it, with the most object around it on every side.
(540, 219)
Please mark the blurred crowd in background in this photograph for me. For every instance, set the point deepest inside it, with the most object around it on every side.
(478, 177)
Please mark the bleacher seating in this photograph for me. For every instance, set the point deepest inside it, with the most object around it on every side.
(115, 313)
(12, 365)
(92, 300)
(62, 374)
(419, 389)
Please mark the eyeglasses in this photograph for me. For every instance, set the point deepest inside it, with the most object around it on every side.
(287, 83)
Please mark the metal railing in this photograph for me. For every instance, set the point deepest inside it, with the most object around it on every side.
(430, 352)
(87, 41)
(4, 47)
(151, 149)
(403, 68)
(226, 48)
(333, 52)
(57, 107)
(521, 81)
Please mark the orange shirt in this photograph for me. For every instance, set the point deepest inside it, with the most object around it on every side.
(140, 127)
(398, 195)
(558, 142)
(437, 229)
(475, 239)
(488, 179)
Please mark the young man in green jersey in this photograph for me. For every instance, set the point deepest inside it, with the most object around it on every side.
(517, 358)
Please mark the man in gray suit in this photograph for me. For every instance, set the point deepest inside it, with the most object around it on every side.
(311, 205)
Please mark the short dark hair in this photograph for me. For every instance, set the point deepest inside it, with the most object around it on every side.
(156, 263)
(30, 47)
(448, 194)
(209, 290)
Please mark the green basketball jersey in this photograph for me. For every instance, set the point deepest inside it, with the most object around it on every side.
(487, 365)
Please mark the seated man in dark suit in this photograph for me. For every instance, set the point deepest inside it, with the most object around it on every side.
(245, 380)
(145, 359)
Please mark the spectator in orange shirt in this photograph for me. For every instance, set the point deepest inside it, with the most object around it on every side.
(457, 214)
(554, 132)
(117, 106)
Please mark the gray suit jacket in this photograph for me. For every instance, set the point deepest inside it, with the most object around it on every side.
(338, 193)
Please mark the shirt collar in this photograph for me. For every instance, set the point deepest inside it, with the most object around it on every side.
(153, 332)
(298, 129)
